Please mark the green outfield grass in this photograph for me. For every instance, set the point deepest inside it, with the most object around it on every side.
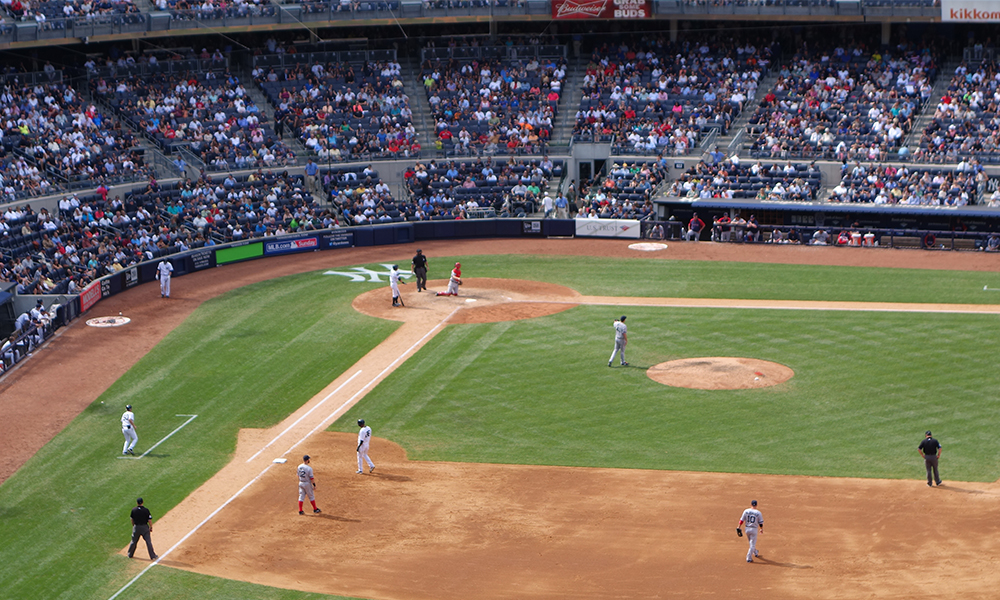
(539, 392)
(535, 391)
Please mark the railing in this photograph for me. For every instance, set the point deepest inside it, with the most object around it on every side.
(311, 58)
(494, 52)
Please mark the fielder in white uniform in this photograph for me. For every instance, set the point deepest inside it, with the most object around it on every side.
(163, 271)
(621, 340)
(394, 284)
(364, 438)
(128, 430)
(454, 281)
(307, 485)
(754, 522)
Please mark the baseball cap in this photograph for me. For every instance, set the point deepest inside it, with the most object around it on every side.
(128, 407)
(138, 500)
(928, 432)
(623, 317)
(306, 457)
(753, 503)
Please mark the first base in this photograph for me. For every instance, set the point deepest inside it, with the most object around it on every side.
(280, 461)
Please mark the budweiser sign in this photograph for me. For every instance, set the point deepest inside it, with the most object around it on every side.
(601, 9)
(970, 11)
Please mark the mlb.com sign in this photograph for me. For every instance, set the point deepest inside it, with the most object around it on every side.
(970, 11)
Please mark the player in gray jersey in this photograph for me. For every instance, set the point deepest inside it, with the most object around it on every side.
(621, 340)
(754, 522)
(306, 485)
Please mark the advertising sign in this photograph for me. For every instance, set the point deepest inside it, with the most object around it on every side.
(612, 228)
(275, 246)
(970, 11)
(337, 238)
(242, 252)
(90, 296)
(601, 9)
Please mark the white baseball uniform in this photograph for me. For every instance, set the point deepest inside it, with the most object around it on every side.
(306, 482)
(621, 339)
(394, 284)
(752, 521)
(364, 438)
(128, 430)
(163, 271)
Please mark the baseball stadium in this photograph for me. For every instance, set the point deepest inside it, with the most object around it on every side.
(235, 235)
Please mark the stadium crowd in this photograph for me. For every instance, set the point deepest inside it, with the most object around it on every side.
(493, 106)
(657, 97)
(732, 178)
(887, 184)
(343, 111)
(847, 103)
(965, 120)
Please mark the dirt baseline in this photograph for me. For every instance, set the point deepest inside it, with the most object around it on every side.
(428, 530)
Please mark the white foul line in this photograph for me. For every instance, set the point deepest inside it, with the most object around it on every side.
(190, 533)
(374, 380)
(297, 421)
(153, 447)
(261, 474)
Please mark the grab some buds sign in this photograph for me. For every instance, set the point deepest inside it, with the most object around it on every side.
(601, 9)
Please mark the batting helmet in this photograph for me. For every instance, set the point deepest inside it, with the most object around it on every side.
(395, 267)
(128, 407)
(361, 422)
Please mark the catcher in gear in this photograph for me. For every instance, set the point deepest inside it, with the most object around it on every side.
(454, 281)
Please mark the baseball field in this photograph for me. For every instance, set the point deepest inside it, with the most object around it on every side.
(511, 460)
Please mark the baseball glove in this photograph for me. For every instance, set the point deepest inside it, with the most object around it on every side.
(739, 532)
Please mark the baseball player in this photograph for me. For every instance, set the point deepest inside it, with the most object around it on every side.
(930, 450)
(754, 522)
(621, 340)
(419, 266)
(306, 485)
(163, 271)
(128, 430)
(364, 438)
(454, 281)
(394, 282)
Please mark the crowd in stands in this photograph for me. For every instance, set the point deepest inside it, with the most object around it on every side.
(732, 178)
(51, 13)
(321, 6)
(210, 113)
(94, 235)
(343, 111)
(886, 184)
(848, 103)
(51, 138)
(443, 4)
(360, 197)
(493, 106)
(216, 9)
(626, 192)
(655, 96)
(450, 190)
(965, 119)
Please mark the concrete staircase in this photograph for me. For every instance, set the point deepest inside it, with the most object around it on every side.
(945, 73)
(423, 122)
(738, 127)
(260, 99)
(569, 103)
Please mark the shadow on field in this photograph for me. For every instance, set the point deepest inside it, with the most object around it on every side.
(772, 563)
(400, 478)
(336, 518)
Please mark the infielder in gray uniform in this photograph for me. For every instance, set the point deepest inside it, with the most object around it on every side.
(754, 522)
(307, 485)
(621, 340)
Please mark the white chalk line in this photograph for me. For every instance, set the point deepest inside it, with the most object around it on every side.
(350, 401)
(988, 309)
(192, 532)
(153, 447)
(268, 467)
(299, 420)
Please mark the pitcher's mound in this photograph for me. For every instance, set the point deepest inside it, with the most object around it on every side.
(720, 373)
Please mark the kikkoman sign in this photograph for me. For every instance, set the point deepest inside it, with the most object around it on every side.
(970, 11)
(601, 9)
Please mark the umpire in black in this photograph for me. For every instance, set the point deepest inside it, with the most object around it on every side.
(930, 449)
(142, 526)
(419, 263)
